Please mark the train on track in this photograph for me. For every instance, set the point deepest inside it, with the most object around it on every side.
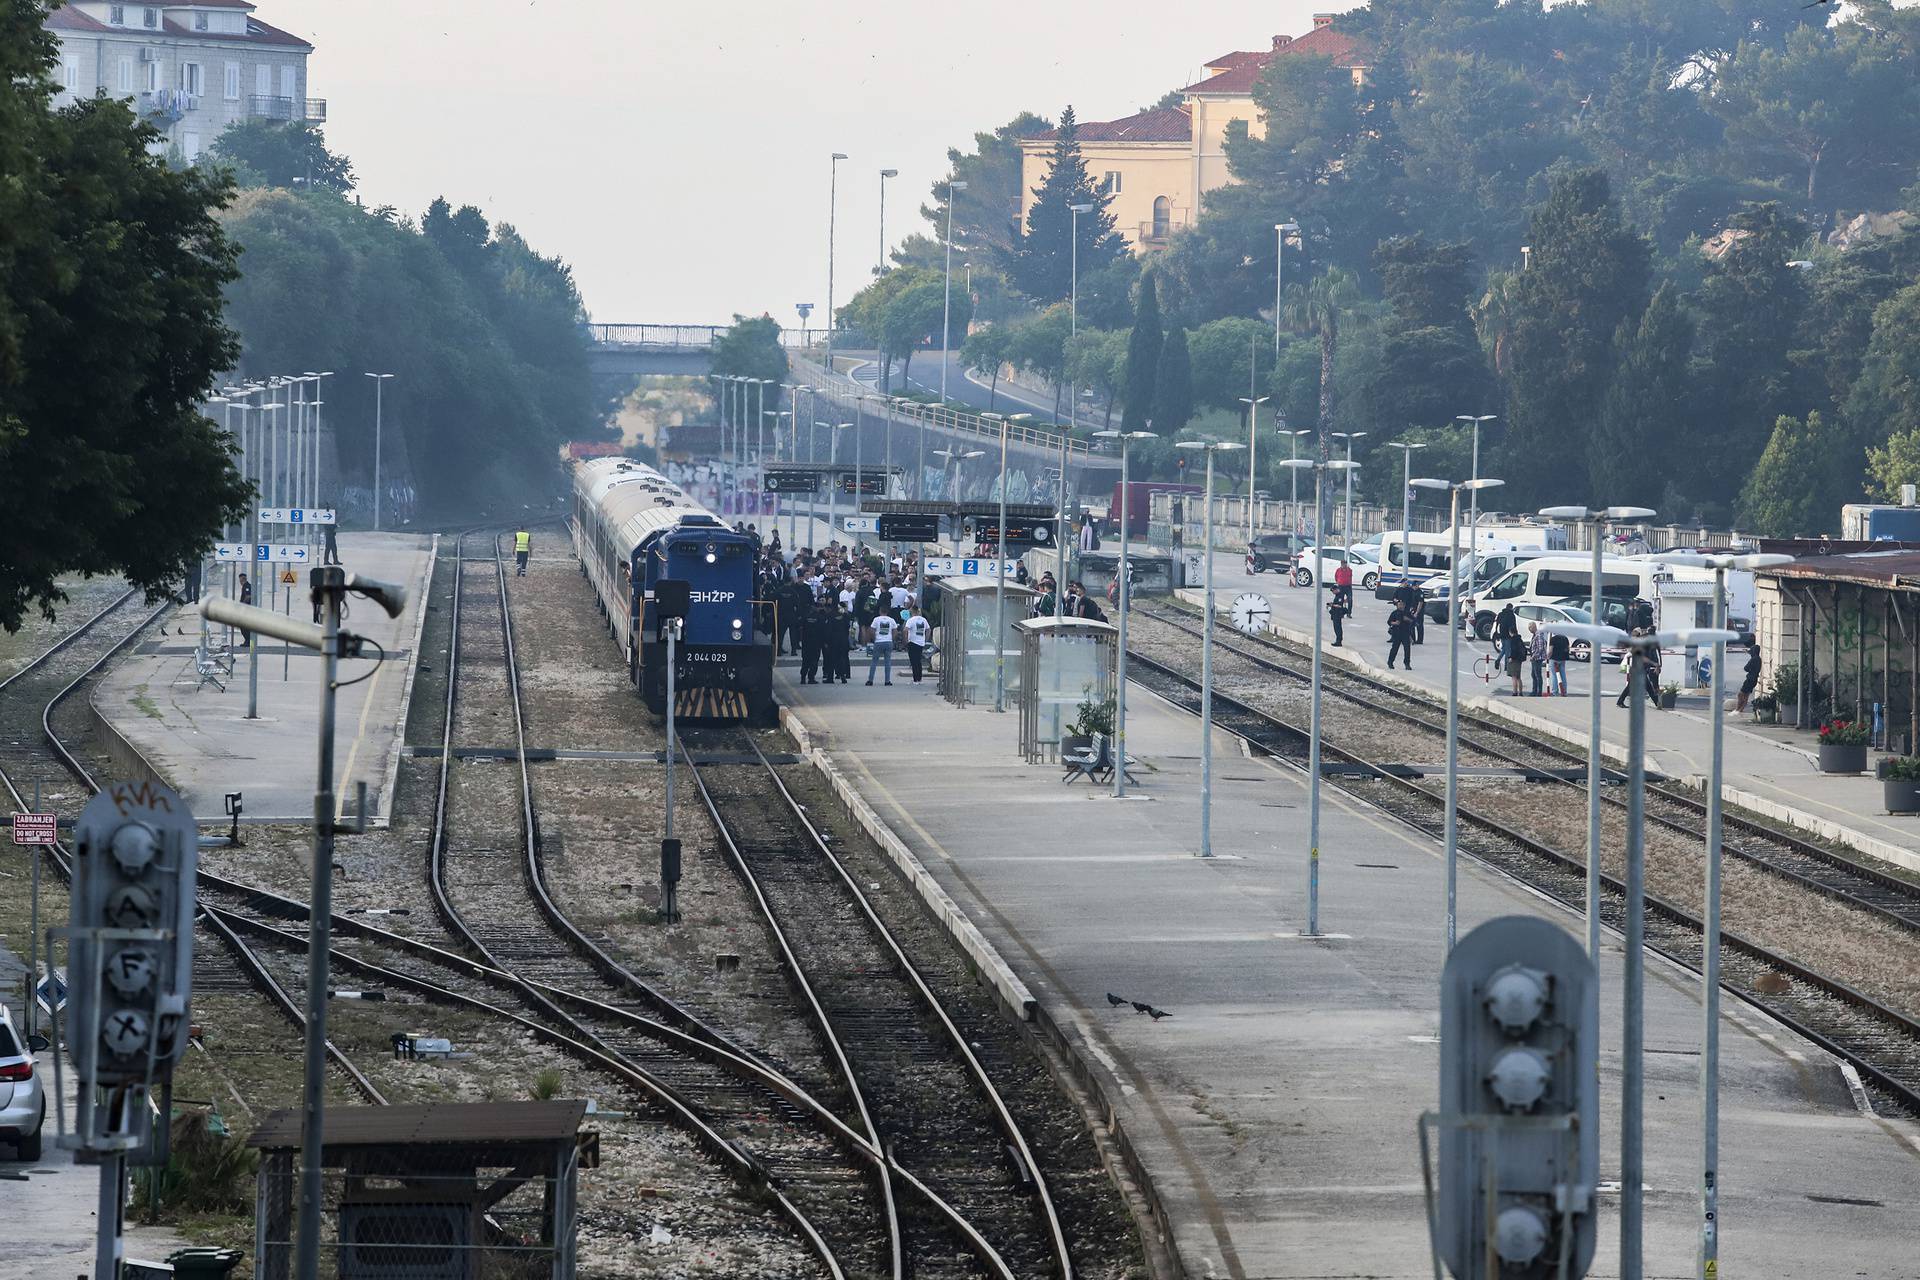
(632, 527)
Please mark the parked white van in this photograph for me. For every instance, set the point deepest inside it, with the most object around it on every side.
(1678, 593)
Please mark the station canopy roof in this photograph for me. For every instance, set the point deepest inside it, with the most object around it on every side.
(1893, 570)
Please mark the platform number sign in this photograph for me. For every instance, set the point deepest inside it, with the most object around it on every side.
(130, 968)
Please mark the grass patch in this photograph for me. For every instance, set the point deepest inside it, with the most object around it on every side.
(145, 705)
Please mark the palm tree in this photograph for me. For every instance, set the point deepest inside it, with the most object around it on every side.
(1317, 306)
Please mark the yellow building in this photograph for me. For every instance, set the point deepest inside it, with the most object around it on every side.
(1156, 164)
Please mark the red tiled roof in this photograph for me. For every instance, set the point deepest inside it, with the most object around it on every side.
(1325, 42)
(70, 19)
(1227, 61)
(257, 32)
(1167, 124)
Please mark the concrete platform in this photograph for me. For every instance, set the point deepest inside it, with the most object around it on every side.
(1274, 1112)
(199, 740)
(1768, 769)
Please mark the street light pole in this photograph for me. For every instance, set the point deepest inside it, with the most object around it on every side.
(1253, 404)
(1406, 493)
(1281, 230)
(1473, 520)
(881, 269)
(1209, 447)
(379, 422)
(1000, 580)
(833, 211)
(1346, 532)
(1124, 596)
(1453, 688)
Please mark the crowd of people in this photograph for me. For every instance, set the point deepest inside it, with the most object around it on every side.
(825, 604)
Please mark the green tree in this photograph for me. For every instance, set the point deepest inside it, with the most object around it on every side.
(1649, 393)
(1885, 398)
(913, 318)
(986, 350)
(1430, 362)
(1040, 347)
(1836, 106)
(112, 268)
(1143, 356)
(1220, 355)
(750, 348)
(992, 174)
(1793, 491)
(869, 312)
(263, 153)
(1173, 384)
(1317, 307)
(1043, 267)
(1588, 272)
(1749, 306)
(1893, 464)
(1099, 359)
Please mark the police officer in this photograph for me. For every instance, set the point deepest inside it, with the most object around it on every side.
(522, 548)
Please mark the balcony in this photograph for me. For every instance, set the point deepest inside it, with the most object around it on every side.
(1157, 233)
(168, 104)
(272, 107)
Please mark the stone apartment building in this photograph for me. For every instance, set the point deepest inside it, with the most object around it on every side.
(191, 69)
(1156, 164)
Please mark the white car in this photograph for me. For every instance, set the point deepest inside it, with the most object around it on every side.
(1327, 560)
(23, 1099)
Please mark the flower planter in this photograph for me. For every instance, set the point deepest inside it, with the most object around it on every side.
(1838, 758)
(1902, 794)
(1668, 699)
(1766, 715)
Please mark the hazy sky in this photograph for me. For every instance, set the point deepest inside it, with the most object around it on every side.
(676, 154)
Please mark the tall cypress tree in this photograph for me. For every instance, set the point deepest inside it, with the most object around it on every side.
(1143, 357)
(1626, 457)
(1044, 266)
(1173, 384)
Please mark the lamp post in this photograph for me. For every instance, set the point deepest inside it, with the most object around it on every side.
(833, 479)
(1209, 447)
(1000, 578)
(1293, 458)
(379, 422)
(1406, 490)
(881, 269)
(1633, 997)
(1060, 529)
(773, 516)
(1453, 685)
(1281, 230)
(833, 211)
(1473, 500)
(1122, 596)
(1253, 418)
(946, 311)
(1319, 469)
(1708, 1259)
(1346, 532)
(1596, 601)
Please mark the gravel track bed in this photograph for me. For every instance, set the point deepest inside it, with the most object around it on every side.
(1100, 1230)
(24, 753)
(1369, 734)
(85, 597)
(1847, 943)
(650, 1171)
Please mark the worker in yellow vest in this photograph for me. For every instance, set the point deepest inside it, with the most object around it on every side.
(522, 546)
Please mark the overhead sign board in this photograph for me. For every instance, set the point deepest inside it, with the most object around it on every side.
(281, 553)
(1022, 533)
(966, 567)
(909, 528)
(36, 828)
(873, 482)
(296, 515)
(793, 481)
(232, 552)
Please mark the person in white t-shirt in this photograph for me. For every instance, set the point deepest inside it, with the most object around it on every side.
(919, 632)
(900, 596)
(882, 647)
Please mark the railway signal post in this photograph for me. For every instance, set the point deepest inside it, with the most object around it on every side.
(671, 599)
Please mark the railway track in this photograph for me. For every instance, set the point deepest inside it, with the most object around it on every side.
(1883, 1044)
(919, 1084)
(1802, 862)
(835, 1182)
(55, 675)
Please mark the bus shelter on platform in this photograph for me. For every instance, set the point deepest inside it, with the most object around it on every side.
(967, 646)
(1064, 663)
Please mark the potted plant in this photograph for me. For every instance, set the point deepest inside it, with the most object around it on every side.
(1092, 718)
(1900, 783)
(1843, 747)
(1669, 694)
(1765, 708)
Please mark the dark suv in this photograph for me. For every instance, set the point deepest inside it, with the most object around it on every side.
(1273, 551)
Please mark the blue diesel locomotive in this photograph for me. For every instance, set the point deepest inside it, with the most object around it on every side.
(632, 527)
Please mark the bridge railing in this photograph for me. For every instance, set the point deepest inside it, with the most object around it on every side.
(685, 337)
(844, 390)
